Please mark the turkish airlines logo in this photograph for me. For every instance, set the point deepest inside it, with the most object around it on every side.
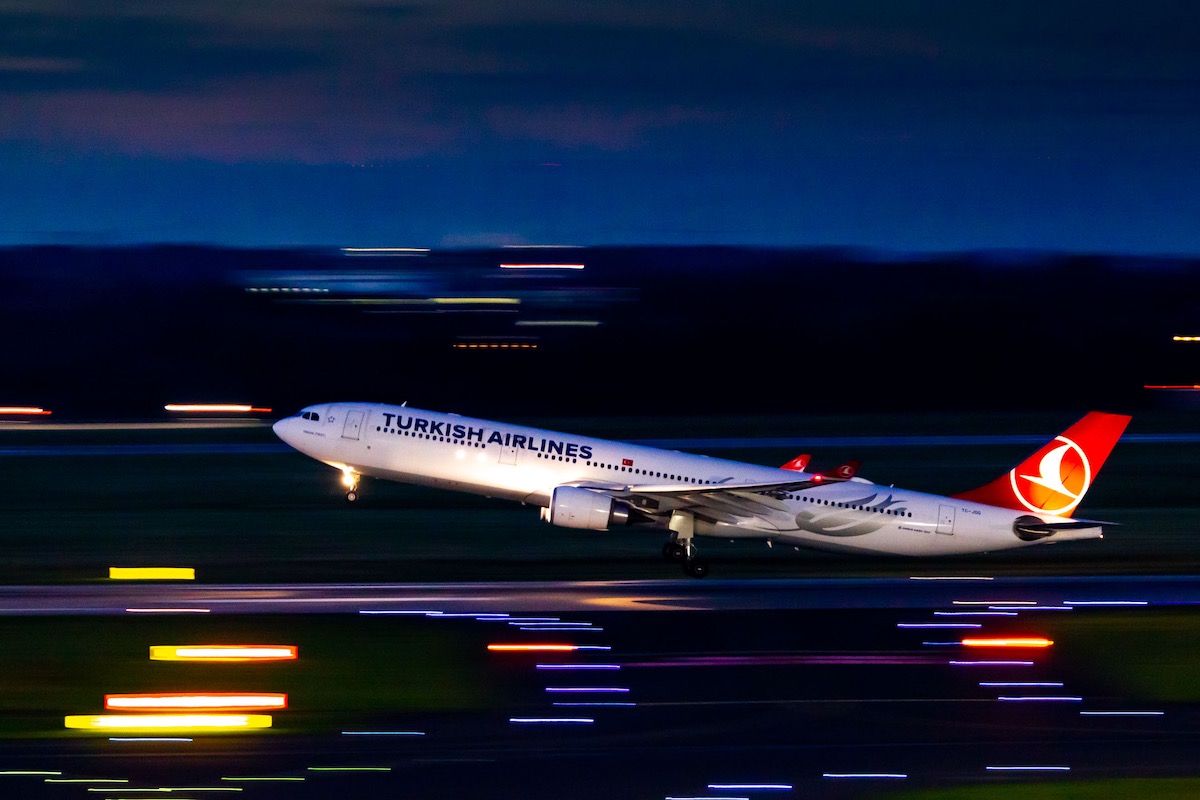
(1064, 475)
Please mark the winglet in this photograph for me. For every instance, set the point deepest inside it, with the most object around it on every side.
(1055, 478)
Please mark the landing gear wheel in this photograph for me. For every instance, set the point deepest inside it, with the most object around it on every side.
(696, 567)
(351, 496)
(673, 551)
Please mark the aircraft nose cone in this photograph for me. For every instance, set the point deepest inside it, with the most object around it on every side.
(281, 428)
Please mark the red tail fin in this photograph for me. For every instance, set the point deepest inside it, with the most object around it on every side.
(798, 463)
(1054, 479)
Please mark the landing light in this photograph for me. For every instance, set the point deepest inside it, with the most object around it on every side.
(348, 479)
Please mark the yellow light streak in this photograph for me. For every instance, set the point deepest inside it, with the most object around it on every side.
(166, 722)
(23, 410)
(215, 408)
(211, 701)
(152, 573)
(223, 652)
(1185, 338)
(1008, 642)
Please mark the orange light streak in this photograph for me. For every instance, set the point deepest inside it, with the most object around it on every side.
(223, 652)
(532, 648)
(1033, 641)
(1172, 386)
(211, 701)
(23, 411)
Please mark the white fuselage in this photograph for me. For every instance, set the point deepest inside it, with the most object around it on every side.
(526, 464)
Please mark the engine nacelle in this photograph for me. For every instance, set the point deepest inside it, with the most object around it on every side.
(573, 507)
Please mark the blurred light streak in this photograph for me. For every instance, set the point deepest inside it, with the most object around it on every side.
(551, 720)
(612, 689)
(214, 408)
(949, 578)
(86, 780)
(556, 628)
(12, 772)
(558, 623)
(149, 739)
(750, 787)
(899, 775)
(349, 769)
(542, 266)
(1190, 388)
(1106, 602)
(168, 611)
(994, 603)
(1010, 641)
(938, 625)
(267, 778)
(1013, 684)
(1030, 769)
(213, 701)
(975, 613)
(541, 648)
(383, 733)
(558, 323)
(147, 722)
(588, 705)
(223, 652)
(578, 666)
(495, 346)
(1185, 338)
(385, 250)
(990, 663)
(1040, 699)
(151, 573)
(1121, 713)
(414, 613)
(24, 411)
(940, 644)
(1030, 608)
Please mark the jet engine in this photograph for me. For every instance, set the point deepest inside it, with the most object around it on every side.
(574, 507)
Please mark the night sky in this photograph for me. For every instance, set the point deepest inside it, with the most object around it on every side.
(904, 126)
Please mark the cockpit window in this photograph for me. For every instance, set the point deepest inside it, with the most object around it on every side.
(314, 416)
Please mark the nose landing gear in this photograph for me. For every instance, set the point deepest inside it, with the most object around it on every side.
(680, 548)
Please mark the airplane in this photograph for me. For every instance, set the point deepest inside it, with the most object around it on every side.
(596, 484)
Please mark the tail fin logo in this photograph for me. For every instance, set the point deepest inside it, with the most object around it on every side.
(1064, 476)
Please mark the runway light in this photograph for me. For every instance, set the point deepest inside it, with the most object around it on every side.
(215, 408)
(1032, 641)
(1185, 338)
(223, 652)
(167, 722)
(151, 573)
(212, 701)
(24, 411)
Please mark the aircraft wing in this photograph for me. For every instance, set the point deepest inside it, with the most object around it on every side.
(723, 502)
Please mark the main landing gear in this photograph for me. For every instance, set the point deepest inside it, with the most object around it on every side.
(680, 548)
(350, 481)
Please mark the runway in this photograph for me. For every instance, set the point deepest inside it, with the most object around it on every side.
(599, 689)
(498, 597)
